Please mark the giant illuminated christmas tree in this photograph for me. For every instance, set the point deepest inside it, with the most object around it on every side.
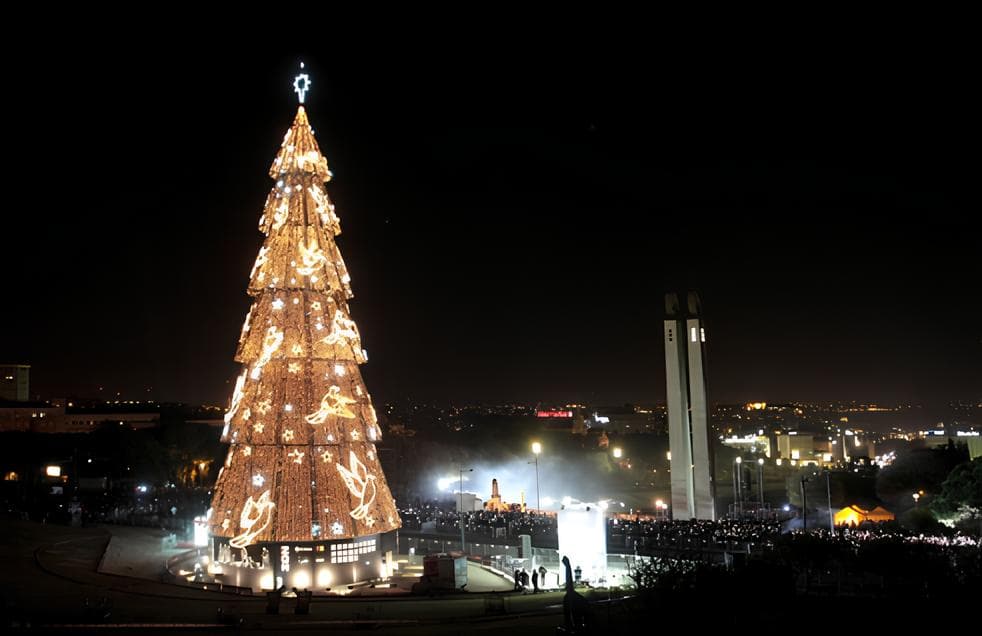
(302, 464)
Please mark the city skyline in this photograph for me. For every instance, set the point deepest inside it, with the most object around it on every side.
(502, 248)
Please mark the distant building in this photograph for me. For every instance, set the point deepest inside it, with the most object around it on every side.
(468, 502)
(794, 446)
(45, 417)
(15, 382)
(497, 504)
(974, 447)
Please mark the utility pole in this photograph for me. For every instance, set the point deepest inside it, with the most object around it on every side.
(804, 505)
(828, 492)
(462, 543)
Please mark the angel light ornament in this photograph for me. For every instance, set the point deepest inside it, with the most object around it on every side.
(281, 214)
(272, 342)
(256, 515)
(312, 257)
(360, 483)
(342, 327)
(333, 403)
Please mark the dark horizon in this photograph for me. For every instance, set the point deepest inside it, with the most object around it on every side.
(511, 225)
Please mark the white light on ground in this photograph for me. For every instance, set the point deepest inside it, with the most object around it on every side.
(301, 579)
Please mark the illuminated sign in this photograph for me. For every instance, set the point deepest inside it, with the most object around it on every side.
(284, 558)
(554, 413)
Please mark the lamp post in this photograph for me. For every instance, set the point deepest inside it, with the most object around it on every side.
(462, 543)
(738, 485)
(760, 481)
(536, 449)
(804, 505)
(828, 493)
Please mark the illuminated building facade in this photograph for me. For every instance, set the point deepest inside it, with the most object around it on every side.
(693, 492)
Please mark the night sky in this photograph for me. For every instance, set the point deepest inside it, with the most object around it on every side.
(511, 220)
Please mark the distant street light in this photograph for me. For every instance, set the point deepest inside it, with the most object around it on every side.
(618, 452)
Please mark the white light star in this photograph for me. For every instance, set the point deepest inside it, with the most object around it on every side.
(301, 84)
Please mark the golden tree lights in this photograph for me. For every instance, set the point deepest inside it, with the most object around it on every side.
(300, 406)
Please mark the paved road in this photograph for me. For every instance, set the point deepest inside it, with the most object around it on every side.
(51, 571)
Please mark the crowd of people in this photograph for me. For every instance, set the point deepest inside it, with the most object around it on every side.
(486, 524)
(750, 535)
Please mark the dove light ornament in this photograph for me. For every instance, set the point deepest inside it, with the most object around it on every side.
(333, 403)
(360, 483)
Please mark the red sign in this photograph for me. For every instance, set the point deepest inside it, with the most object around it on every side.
(554, 413)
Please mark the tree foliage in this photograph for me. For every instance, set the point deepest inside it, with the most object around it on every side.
(962, 489)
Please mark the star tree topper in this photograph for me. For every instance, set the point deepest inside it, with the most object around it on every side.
(301, 84)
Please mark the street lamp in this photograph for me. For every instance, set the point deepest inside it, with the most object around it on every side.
(618, 452)
(536, 449)
(462, 544)
(804, 501)
(760, 481)
(828, 493)
(916, 496)
(738, 485)
(804, 505)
